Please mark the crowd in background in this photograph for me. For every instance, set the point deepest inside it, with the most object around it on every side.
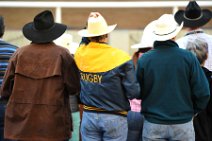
(56, 90)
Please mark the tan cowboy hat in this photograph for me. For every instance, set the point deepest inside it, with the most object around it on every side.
(97, 26)
(146, 39)
(66, 40)
(165, 28)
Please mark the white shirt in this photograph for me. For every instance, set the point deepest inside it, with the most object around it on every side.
(191, 36)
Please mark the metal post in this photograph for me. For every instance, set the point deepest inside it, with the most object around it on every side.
(58, 14)
(175, 9)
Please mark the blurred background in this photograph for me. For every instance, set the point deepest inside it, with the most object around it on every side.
(130, 19)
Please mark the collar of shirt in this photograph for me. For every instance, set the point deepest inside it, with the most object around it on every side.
(194, 32)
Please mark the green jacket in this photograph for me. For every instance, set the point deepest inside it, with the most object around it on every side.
(173, 85)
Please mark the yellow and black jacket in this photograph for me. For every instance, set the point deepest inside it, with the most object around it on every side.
(107, 78)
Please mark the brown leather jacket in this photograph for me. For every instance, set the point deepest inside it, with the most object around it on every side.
(38, 82)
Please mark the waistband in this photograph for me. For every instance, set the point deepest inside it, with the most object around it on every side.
(95, 109)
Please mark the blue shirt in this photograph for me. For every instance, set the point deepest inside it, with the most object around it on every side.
(6, 51)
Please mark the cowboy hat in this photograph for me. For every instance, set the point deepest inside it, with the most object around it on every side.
(193, 16)
(97, 26)
(43, 29)
(66, 40)
(165, 28)
(146, 39)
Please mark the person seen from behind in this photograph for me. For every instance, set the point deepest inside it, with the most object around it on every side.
(203, 120)
(107, 82)
(173, 86)
(194, 19)
(134, 117)
(66, 40)
(6, 51)
(39, 79)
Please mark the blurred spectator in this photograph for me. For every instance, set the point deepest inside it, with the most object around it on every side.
(134, 117)
(66, 40)
(194, 18)
(6, 51)
(173, 85)
(203, 121)
(38, 82)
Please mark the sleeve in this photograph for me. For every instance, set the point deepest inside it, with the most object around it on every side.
(130, 82)
(8, 80)
(139, 74)
(209, 107)
(71, 75)
(199, 87)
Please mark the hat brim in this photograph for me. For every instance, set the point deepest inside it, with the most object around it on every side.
(167, 36)
(204, 19)
(85, 33)
(146, 38)
(44, 36)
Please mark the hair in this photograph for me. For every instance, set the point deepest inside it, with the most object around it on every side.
(98, 38)
(199, 48)
(1, 26)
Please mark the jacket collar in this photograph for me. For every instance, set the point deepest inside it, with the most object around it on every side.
(165, 44)
(194, 32)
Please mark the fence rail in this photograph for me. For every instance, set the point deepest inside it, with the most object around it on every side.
(96, 4)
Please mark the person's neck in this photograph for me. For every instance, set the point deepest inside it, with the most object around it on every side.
(104, 41)
(193, 29)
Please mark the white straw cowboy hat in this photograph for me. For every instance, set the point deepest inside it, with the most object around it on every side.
(66, 40)
(165, 28)
(146, 39)
(96, 26)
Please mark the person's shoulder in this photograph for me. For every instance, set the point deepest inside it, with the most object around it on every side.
(7, 45)
(186, 53)
(148, 54)
(122, 52)
(117, 52)
(60, 47)
(208, 36)
(64, 52)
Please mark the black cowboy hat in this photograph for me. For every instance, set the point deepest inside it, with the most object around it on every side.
(43, 29)
(193, 16)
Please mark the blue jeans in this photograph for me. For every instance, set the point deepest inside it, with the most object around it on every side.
(103, 127)
(173, 132)
(135, 126)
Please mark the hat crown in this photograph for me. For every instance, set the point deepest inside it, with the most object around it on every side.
(192, 10)
(165, 25)
(44, 20)
(96, 23)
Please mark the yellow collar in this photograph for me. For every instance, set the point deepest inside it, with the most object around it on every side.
(99, 57)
